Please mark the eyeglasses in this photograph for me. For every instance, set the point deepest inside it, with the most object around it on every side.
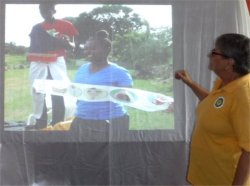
(213, 53)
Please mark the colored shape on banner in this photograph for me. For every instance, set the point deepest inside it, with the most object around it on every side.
(93, 93)
(75, 91)
(158, 99)
(123, 95)
(136, 98)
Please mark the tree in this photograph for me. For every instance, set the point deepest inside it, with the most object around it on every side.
(116, 19)
(143, 51)
(135, 44)
(12, 48)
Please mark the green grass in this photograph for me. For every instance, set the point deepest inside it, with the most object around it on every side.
(13, 61)
(18, 105)
(17, 97)
(154, 86)
(141, 120)
(151, 120)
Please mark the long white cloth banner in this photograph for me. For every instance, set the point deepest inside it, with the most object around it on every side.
(136, 98)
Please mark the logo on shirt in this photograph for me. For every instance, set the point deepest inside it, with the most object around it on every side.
(219, 102)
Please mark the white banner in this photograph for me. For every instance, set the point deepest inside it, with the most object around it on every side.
(136, 98)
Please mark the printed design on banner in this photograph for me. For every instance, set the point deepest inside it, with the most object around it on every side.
(219, 102)
(93, 93)
(158, 99)
(75, 91)
(136, 98)
(60, 88)
(123, 95)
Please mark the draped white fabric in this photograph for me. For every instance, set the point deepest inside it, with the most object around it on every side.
(196, 24)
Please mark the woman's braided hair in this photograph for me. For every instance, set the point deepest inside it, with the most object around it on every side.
(102, 37)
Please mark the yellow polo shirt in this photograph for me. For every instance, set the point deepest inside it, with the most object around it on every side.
(222, 130)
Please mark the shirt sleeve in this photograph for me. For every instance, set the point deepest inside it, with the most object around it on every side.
(73, 31)
(124, 79)
(70, 28)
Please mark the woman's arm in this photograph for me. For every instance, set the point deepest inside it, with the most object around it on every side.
(243, 169)
(199, 91)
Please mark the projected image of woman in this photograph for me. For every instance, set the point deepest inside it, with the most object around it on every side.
(99, 122)
(100, 71)
(220, 147)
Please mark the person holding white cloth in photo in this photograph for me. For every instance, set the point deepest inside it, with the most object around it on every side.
(49, 42)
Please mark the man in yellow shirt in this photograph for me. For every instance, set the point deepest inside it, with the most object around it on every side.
(220, 146)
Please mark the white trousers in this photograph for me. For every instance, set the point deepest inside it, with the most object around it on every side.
(39, 70)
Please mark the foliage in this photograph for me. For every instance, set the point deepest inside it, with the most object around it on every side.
(116, 19)
(12, 48)
(141, 51)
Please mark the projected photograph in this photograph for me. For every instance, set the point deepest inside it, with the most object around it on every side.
(100, 62)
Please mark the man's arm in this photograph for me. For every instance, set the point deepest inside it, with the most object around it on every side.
(243, 169)
(199, 91)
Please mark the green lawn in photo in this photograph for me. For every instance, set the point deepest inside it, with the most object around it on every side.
(18, 104)
(17, 95)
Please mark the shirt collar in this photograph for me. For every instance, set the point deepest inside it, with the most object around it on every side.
(232, 85)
